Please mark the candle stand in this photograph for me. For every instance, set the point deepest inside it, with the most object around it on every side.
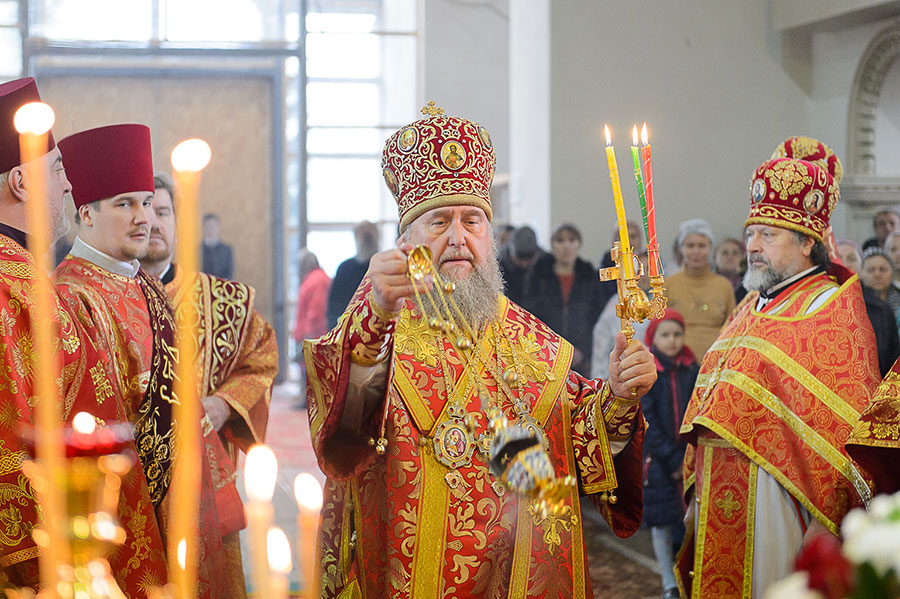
(634, 305)
(95, 463)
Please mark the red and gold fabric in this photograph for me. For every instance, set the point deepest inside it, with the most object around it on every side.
(87, 383)
(784, 388)
(131, 318)
(875, 440)
(237, 355)
(238, 352)
(801, 147)
(440, 160)
(722, 561)
(404, 524)
(793, 194)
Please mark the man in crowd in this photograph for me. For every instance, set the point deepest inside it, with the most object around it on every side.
(516, 260)
(779, 391)
(216, 258)
(237, 352)
(352, 270)
(886, 221)
(129, 315)
(85, 379)
(395, 407)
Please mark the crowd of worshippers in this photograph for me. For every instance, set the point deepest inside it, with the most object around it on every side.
(562, 288)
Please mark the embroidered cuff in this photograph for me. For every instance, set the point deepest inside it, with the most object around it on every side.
(618, 414)
(370, 334)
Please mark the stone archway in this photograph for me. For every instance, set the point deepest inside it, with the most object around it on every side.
(879, 57)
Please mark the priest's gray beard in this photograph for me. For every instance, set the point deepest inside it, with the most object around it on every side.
(762, 279)
(478, 291)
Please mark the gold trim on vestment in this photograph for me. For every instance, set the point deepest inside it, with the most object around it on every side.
(18, 557)
(802, 291)
(351, 591)
(427, 563)
(714, 442)
(770, 401)
(577, 528)
(543, 407)
(774, 472)
(702, 517)
(793, 368)
(313, 381)
(750, 532)
(350, 522)
(10, 461)
(521, 562)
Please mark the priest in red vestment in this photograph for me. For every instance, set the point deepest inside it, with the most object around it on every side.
(779, 391)
(129, 315)
(237, 353)
(86, 379)
(411, 508)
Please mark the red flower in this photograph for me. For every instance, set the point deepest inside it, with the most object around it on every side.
(829, 571)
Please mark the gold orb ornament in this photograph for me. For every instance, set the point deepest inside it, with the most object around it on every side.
(419, 262)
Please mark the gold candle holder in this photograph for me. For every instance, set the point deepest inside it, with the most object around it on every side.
(95, 464)
(634, 305)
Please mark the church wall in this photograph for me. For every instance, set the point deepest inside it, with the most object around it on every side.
(836, 56)
(706, 75)
(466, 65)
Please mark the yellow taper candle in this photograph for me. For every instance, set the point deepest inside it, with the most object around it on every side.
(189, 158)
(260, 472)
(279, 549)
(33, 121)
(308, 493)
(624, 244)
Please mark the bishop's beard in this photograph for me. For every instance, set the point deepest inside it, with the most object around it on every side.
(477, 292)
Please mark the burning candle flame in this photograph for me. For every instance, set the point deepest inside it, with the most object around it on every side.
(634, 135)
(260, 470)
(308, 492)
(35, 117)
(182, 552)
(608, 136)
(191, 156)
(644, 139)
(279, 550)
(84, 423)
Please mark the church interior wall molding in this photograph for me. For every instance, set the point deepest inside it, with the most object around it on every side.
(862, 189)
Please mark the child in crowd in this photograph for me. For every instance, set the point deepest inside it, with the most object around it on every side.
(663, 408)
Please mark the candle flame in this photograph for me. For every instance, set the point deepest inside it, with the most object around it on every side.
(191, 156)
(260, 470)
(634, 136)
(182, 553)
(35, 117)
(308, 492)
(644, 135)
(84, 423)
(279, 549)
(606, 133)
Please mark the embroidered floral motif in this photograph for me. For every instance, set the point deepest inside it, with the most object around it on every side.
(551, 522)
(788, 178)
(414, 337)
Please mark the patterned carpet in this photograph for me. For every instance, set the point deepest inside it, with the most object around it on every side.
(613, 575)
